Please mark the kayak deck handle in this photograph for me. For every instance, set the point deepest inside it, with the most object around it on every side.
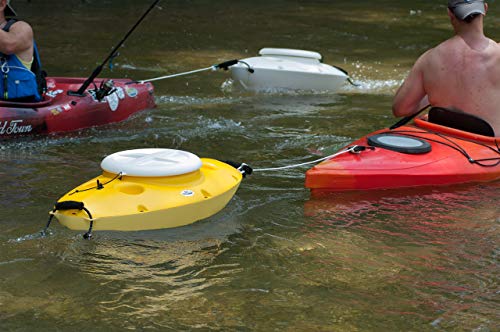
(70, 205)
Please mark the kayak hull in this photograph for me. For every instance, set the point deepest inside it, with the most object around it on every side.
(287, 69)
(263, 80)
(147, 203)
(380, 168)
(62, 112)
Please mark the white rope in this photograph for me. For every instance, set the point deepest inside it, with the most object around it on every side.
(307, 163)
(176, 75)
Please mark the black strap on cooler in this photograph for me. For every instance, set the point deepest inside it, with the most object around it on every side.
(70, 205)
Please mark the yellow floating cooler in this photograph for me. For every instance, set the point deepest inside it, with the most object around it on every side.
(148, 189)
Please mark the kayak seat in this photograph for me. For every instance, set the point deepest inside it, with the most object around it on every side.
(461, 121)
(18, 104)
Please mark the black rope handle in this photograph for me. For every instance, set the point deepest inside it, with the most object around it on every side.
(70, 205)
(226, 64)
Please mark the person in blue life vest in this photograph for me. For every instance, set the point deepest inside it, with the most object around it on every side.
(21, 77)
(461, 73)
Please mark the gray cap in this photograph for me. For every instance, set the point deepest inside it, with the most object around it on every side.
(463, 8)
(9, 11)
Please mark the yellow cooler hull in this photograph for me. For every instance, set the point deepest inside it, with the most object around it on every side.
(146, 203)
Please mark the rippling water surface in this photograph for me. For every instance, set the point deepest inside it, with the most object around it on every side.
(275, 259)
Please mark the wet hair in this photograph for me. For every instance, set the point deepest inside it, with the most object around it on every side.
(470, 17)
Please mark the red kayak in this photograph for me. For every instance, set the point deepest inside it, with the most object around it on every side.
(105, 102)
(423, 154)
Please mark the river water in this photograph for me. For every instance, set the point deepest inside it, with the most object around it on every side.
(275, 259)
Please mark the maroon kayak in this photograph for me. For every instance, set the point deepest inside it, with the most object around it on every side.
(61, 111)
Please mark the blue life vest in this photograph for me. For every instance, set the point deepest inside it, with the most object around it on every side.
(18, 83)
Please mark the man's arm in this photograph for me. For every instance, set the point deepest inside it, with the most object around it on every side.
(17, 40)
(411, 95)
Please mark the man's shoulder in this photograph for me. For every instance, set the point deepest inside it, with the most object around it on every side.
(424, 58)
(435, 55)
(455, 44)
(444, 50)
(495, 42)
(444, 46)
(448, 45)
(21, 27)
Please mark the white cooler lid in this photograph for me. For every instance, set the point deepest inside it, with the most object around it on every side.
(290, 52)
(151, 162)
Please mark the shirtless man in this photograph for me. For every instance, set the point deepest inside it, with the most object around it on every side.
(462, 73)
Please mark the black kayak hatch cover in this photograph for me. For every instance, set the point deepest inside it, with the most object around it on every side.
(399, 143)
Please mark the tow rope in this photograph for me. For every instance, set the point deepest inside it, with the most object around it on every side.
(352, 149)
(247, 170)
(223, 65)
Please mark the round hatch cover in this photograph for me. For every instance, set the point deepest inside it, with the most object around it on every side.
(151, 162)
(399, 143)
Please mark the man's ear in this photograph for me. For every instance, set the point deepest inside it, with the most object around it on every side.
(450, 14)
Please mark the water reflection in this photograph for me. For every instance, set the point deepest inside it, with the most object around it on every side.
(149, 277)
(414, 243)
(129, 277)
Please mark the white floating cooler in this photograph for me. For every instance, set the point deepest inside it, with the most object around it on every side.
(287, 69)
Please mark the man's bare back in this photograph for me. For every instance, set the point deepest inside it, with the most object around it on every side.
(460, 77)
(462, 73)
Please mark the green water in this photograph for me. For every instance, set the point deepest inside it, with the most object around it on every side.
(274, 259)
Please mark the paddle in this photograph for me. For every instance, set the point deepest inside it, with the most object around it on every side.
(407, 119)
(113, 54)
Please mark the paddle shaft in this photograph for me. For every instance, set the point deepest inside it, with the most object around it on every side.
(113, 53)
(408, 118)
